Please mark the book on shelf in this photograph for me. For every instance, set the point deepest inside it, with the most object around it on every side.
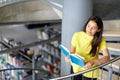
(77, 59)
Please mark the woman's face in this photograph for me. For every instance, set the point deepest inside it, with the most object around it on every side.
(91, 28)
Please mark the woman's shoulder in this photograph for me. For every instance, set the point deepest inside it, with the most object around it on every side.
(103, 38)
(80, 32)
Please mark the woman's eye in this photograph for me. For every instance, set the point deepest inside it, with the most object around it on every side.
(88, 26)
(93, 27)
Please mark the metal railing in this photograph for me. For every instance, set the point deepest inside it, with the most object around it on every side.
(30, 45)
(107, 66)
(8, 2)
(110, 71)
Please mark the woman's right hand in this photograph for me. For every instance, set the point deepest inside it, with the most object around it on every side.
(67, 59)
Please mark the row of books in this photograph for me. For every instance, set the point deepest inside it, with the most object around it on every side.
(50, 48)
(13, 60)
(51, 55)
(47, 33)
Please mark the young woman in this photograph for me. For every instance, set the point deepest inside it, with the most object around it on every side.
(88, 43)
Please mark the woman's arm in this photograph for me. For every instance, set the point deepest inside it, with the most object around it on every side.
(105, 58)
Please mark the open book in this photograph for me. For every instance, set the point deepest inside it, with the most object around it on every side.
(74, 57)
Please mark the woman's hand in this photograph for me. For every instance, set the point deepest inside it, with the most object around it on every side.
(105, 58)
(89, 64)
(67, 59)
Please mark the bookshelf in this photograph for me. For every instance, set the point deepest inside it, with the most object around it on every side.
(49, 53)
(14, 59)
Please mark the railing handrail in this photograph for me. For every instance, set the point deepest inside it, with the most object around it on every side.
(7, 2)
(91, 69)
(29, 45)
(38, 69)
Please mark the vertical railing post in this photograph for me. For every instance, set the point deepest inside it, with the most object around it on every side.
(101, 74)
(110, 73)
(119, 72)
(33, 67)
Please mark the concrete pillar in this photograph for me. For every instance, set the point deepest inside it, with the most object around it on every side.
(75, 14)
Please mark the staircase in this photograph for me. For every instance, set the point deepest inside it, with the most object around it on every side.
(112, 30)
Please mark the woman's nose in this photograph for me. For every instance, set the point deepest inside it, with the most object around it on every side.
(90, 29)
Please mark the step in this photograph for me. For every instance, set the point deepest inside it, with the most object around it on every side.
(105, 75)
(113, 25)
(111, 30)
(114, 48)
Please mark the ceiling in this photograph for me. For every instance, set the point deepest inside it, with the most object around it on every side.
(27, 11)
(42, 10)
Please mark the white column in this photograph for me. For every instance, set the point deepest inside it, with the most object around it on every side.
(75, 14)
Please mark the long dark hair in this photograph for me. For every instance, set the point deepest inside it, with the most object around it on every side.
(98, 36)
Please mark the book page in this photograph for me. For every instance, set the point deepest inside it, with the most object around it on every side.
(80, 56)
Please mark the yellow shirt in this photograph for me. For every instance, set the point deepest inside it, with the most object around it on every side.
(82, 42)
